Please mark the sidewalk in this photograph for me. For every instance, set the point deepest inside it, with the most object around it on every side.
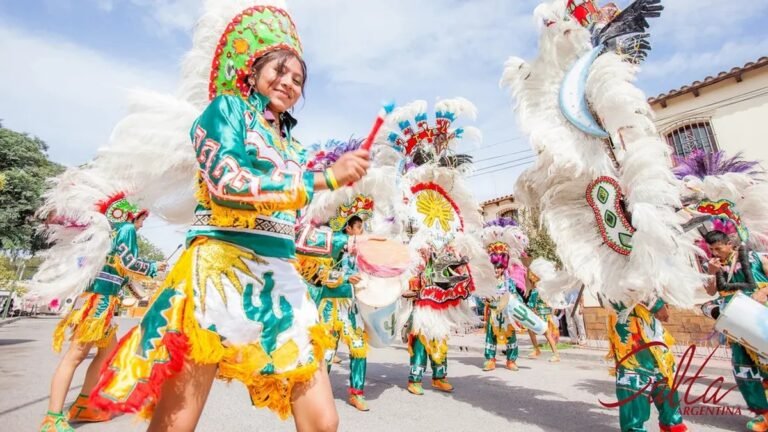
(594, 351)
(8, 320)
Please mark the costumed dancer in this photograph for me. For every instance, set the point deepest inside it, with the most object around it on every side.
(544, 311)
(233, 306)
(336, 222)
(74, 269)
(595, 138)
(336, 303)
(653, 367)
(443, 216)
(505, 243)
(731, 191)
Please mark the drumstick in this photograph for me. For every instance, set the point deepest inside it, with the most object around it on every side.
(578, 299)
(174, 253)
(386, 109)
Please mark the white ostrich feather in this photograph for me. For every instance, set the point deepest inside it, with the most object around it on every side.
(554, 286)
(568, 160)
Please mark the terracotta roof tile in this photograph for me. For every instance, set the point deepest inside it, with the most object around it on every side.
(762, 61)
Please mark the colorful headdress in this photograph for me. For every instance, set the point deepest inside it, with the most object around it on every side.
(726, 218)
(251, 34)
(361, 206)
(585, 12)
(410, 132)
(118, 209)
(504, 241)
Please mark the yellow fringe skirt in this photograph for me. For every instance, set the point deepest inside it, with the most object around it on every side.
(224, 305)
(89, 321)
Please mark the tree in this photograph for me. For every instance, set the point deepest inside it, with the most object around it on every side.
(24, 167)
(540, 244)
(148, 250)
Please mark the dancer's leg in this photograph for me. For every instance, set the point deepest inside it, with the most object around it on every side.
(62, 378)
(553, 345)
(313, 406)
(182, 399)
(536, 351)
(92, 375)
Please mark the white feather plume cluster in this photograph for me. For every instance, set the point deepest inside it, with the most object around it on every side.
(467, 242)
(378, 184)
(80, 233)
(568, 160)
(554, 286)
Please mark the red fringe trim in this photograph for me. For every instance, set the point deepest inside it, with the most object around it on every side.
(145, 392)
(355, 392)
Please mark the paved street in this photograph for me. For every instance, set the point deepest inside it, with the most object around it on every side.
(540, 397)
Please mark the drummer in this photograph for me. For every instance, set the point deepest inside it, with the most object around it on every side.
(734, 268)
(336, 303)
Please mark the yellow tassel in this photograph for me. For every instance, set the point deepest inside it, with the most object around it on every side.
(87, 329)
(309, 266)
(756, 359)
(232, 217)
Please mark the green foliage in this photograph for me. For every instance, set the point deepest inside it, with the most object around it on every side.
(148, 250)
(540, 244)
(7, 273)
(24, 167)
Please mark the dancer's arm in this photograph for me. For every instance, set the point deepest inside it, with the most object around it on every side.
(127, 258)
(226, 166)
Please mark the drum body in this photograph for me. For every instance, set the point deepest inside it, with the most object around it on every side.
(745, 321)
(524, 316)
(377, 300)
(380, 324)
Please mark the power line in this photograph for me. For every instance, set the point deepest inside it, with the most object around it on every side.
(501, 169)
(498, 143)
(506, 163)
(501, 156)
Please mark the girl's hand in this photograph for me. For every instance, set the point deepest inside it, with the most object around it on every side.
(351, 166)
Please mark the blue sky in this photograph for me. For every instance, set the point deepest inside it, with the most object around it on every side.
(67, 63)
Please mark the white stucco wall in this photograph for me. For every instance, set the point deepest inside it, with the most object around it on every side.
(738, 113)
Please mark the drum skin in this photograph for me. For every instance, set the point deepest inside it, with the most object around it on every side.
(745, 321)
(382, 258)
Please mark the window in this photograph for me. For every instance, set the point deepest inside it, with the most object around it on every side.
(509, 214)
(697, 135)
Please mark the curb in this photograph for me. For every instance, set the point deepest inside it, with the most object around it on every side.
(590, 354)
(9, 320)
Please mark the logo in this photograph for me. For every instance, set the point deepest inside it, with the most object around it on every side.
(705, 403)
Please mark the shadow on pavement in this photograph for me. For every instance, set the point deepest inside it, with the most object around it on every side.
(5, 342)
(34, 401)
(519, 404)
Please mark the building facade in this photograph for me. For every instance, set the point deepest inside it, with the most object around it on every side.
(722, 112)
(504, 206)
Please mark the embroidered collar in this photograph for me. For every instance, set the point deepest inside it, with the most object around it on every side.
(260, 102)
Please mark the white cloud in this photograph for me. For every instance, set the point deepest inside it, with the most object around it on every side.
(384, 43)
(687, 24)
(166, 16)
(701, 64)
(66, 94)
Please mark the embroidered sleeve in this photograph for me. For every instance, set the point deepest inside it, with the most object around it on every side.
(219, 136)
(127, 253)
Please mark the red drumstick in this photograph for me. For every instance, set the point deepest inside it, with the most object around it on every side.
(386, 109)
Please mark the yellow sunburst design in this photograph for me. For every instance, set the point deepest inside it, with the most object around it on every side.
(215, 260)
(435, 208)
